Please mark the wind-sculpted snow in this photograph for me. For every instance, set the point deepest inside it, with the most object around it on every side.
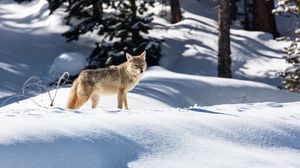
(155, 132)
(241, 135)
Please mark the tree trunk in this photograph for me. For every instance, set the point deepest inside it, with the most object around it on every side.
(263, 19)
(224, 60)
(175, 11)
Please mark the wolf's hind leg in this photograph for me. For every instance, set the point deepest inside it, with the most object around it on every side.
(95, 99)
(81, 100)
(125, 105)
(84, 93)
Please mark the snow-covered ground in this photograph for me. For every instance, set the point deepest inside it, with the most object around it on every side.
(155, 132)
(180, 114)
(151, 133)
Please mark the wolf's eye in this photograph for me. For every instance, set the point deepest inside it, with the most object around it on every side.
(135, 66)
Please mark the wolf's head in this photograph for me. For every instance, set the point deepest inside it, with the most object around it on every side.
(137, 64)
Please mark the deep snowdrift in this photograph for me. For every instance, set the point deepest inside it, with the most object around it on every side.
(151, 133)
(240, 135)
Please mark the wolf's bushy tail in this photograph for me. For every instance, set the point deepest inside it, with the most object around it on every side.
(73, 96)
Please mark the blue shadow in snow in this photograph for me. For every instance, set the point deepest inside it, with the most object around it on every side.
(199, 110)
(109, 151)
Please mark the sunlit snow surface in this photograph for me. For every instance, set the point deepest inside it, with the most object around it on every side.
(240, 135)
(153, 133)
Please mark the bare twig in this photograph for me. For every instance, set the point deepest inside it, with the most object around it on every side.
(63, 78)
(39, 87)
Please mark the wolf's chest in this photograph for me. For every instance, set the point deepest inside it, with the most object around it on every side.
(131, 83)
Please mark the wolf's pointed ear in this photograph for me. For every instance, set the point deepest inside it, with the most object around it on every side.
(143, 55)
(129, 57)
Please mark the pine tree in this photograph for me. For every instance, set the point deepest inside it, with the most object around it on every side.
(122, 29)
(224, 60)
(82, 16)
(291, 75)
(126, 28)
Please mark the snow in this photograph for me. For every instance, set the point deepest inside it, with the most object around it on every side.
(239, 135)
(155, 131)
(281, 3)
(72, 63)
(180, 114)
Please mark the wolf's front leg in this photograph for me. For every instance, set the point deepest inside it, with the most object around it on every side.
(125, 105)
(95, 99)
(121, 93)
